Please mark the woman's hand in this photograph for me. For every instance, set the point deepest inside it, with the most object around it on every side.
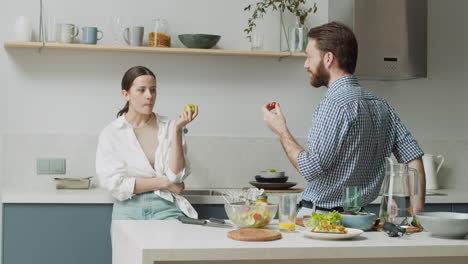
(186, 117)
(176, 188)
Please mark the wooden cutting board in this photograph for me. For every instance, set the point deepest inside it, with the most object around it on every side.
(254, 234)
(291, 190)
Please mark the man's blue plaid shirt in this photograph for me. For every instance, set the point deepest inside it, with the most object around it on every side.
(352, 132)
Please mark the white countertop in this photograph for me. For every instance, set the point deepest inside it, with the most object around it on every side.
(48, 194)
(164, 240)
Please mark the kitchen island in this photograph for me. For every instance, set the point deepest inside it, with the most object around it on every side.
(170, 241)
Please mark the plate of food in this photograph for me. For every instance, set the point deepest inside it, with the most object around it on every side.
(326, 226)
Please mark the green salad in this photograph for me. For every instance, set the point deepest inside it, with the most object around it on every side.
(326, 223)
(254, 218)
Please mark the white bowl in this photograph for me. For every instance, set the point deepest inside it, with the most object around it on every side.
(445, 224)
(276, 174)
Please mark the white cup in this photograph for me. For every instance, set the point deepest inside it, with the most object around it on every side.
(23, 29)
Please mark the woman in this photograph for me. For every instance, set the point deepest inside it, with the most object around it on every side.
(141, 156)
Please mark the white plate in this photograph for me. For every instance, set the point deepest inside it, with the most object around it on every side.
(352, 232)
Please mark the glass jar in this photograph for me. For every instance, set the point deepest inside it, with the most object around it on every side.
(160, 37)
(297, 37)
(261, 200)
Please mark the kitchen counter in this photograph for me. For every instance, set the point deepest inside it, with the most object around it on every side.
(169, 240)
(48, 194)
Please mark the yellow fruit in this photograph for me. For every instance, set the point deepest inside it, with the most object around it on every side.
(287, 226)
(272, 170)
(192, 107)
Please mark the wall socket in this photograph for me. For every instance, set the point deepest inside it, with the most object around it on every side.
(45, 166)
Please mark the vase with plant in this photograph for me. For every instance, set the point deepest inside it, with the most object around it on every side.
(296, 35)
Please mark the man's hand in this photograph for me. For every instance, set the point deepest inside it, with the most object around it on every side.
(418, 205)
(274, 120)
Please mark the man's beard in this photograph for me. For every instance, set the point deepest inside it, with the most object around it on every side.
(321, 76)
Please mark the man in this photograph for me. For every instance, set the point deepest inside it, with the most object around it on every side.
(352, 133)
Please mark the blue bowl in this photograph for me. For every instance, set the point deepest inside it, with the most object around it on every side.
(359, 221)
(199, 41)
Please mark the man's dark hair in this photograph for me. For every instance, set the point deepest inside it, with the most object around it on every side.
(338, 39)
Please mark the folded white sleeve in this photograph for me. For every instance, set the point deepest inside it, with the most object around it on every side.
(111, 171)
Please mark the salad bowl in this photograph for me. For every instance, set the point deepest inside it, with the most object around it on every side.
(252, 216)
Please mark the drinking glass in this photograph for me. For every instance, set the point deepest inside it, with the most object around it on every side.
(256, 42)
(287, 212)
(117, 30)
(352, 199)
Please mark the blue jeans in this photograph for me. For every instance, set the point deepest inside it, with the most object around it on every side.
(145, 206)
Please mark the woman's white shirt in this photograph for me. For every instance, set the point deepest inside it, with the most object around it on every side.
(120, 160)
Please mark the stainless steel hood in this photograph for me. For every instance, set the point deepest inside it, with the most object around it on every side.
(392, 37)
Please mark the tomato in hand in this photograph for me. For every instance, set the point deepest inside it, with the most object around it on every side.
(271, 106)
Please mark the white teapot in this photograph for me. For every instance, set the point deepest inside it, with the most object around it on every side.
(431, 169)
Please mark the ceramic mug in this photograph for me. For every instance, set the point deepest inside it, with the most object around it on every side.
(66, 33)
(134, 36)
(89, 35)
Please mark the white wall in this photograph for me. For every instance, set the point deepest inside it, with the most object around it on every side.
(58, 101)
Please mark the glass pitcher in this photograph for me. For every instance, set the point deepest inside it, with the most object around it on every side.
(399, 188)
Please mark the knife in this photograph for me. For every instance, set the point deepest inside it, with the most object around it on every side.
(211, 220)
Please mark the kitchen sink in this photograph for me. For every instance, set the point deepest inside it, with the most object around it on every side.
(202, 192)
(435, 194)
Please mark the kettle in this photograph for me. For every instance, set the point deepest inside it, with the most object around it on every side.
(429, 162)
(399, 188)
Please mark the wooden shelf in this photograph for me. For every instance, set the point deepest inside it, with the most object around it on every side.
(221, 52)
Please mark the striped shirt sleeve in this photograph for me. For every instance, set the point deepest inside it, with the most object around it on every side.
(328, 132)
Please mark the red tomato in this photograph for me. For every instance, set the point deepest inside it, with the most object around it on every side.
(271, 106)
(257, 217)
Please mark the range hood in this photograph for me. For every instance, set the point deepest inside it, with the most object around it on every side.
(392, 38)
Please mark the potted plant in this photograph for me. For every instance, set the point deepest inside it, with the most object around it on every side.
(294, 6)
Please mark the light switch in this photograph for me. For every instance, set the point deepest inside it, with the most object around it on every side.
(50, 166)
(57, 166)
(42, 166)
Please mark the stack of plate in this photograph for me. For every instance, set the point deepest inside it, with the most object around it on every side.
(272, 180)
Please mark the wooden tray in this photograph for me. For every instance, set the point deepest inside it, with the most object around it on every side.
(273, 186)
(292, 190)
(254, 234)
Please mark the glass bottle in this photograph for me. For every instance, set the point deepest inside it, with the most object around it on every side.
(261, 200)
(160, 37)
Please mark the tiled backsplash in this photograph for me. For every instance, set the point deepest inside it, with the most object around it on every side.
(217, 162)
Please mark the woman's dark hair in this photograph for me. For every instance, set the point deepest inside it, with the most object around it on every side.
(128, 79)
(338, 39)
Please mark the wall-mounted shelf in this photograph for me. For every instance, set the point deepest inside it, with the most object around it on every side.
(221, 52)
